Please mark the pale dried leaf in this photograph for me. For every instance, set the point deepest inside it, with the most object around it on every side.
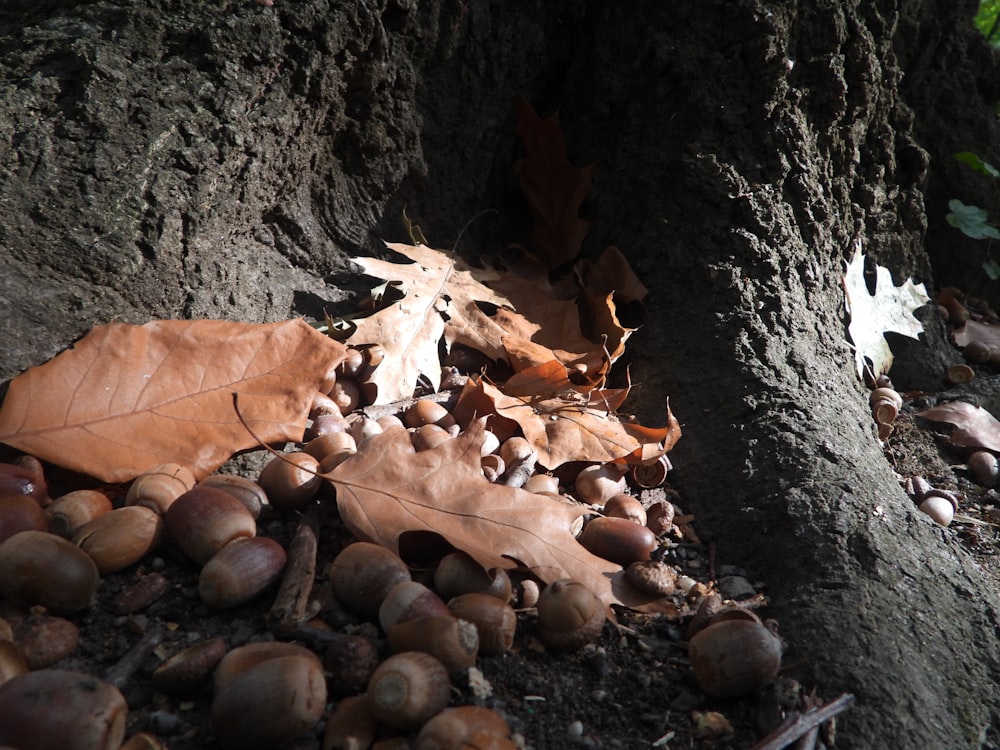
(126, 398)
(388, 490)
(974, 427)
(890, 309)
(440, 299)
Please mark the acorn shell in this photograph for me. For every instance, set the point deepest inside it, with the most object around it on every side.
(569, 615)
(408, 689)
(190, 668)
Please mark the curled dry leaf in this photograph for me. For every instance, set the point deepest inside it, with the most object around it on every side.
(126, 398)
(974, 427)
(387, 490)
(562, 423)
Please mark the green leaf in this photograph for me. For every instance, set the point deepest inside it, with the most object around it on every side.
(992, 269)
(971, 221)
(973, 160)
(986, 19)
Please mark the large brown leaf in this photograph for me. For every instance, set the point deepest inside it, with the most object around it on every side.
(126, 398)
(440, 301)
(387, 490)
(972, 426)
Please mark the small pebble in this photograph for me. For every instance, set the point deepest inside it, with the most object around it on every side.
(575, 729)
(163, 722)
(736, 588)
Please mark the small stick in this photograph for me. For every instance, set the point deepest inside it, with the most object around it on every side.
(289, 609)
(121, 672)
(794, 727)
(447, 398)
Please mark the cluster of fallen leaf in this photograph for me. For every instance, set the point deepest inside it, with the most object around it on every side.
(126, 398)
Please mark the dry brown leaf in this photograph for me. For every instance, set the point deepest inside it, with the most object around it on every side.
(553, 187)
(440, 301)
(974, 427)
(611, 300)
(126, 398)
(973, 330)
(562, 422)
(388, 490)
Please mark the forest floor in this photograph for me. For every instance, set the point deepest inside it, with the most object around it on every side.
(632, 688)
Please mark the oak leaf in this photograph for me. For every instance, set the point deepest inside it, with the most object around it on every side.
(890, 309)
(441, 292)
(563, 422)
(387, 490)
(973, 427)
(126, 398)
(553, 187)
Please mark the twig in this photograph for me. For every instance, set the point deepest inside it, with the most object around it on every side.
(289, 609)
(794, 727)
(121, 672)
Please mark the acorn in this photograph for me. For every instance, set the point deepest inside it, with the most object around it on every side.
(37, 567)
(408, 689)
(595, 484)
(984, 468)
(245, 490)
(190, 668)
(266, 694)
(291, 480)
(494, 618)
(240, 570)
(21, 513)
(464, 727)
(72, 510)
(12, 662)
(458, 573)
(363, 573)
(734, 657)
(120, 538)
(158, 487)
(569, 615)
(351, 725)
(44, 640)
(627, 507)
(54, 709)
(454, 642)
(617, 539)
(204, 520)
(409, 600)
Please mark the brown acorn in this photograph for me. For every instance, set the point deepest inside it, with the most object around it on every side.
(734, 657)
(494, 618)
(203, 520)
(41, 568)
(363, 573)
(157, 488)
(454, 642)
(569, 615)
(240, 570)
(618, 540)
(408, 689)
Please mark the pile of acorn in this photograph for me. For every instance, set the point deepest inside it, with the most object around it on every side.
(53, 554)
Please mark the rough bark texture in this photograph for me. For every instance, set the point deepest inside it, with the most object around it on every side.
(185, 159)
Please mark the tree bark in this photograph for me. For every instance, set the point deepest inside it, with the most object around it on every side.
(192, 161)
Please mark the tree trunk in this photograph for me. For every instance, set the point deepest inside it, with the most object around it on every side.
(198, 161)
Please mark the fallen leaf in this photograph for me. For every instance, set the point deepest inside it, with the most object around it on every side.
(561, 422)
(973, 426)
(553, 187)
(126, 398)
(973, 330)
(441, 292)
(387, 490)
(890, 309)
